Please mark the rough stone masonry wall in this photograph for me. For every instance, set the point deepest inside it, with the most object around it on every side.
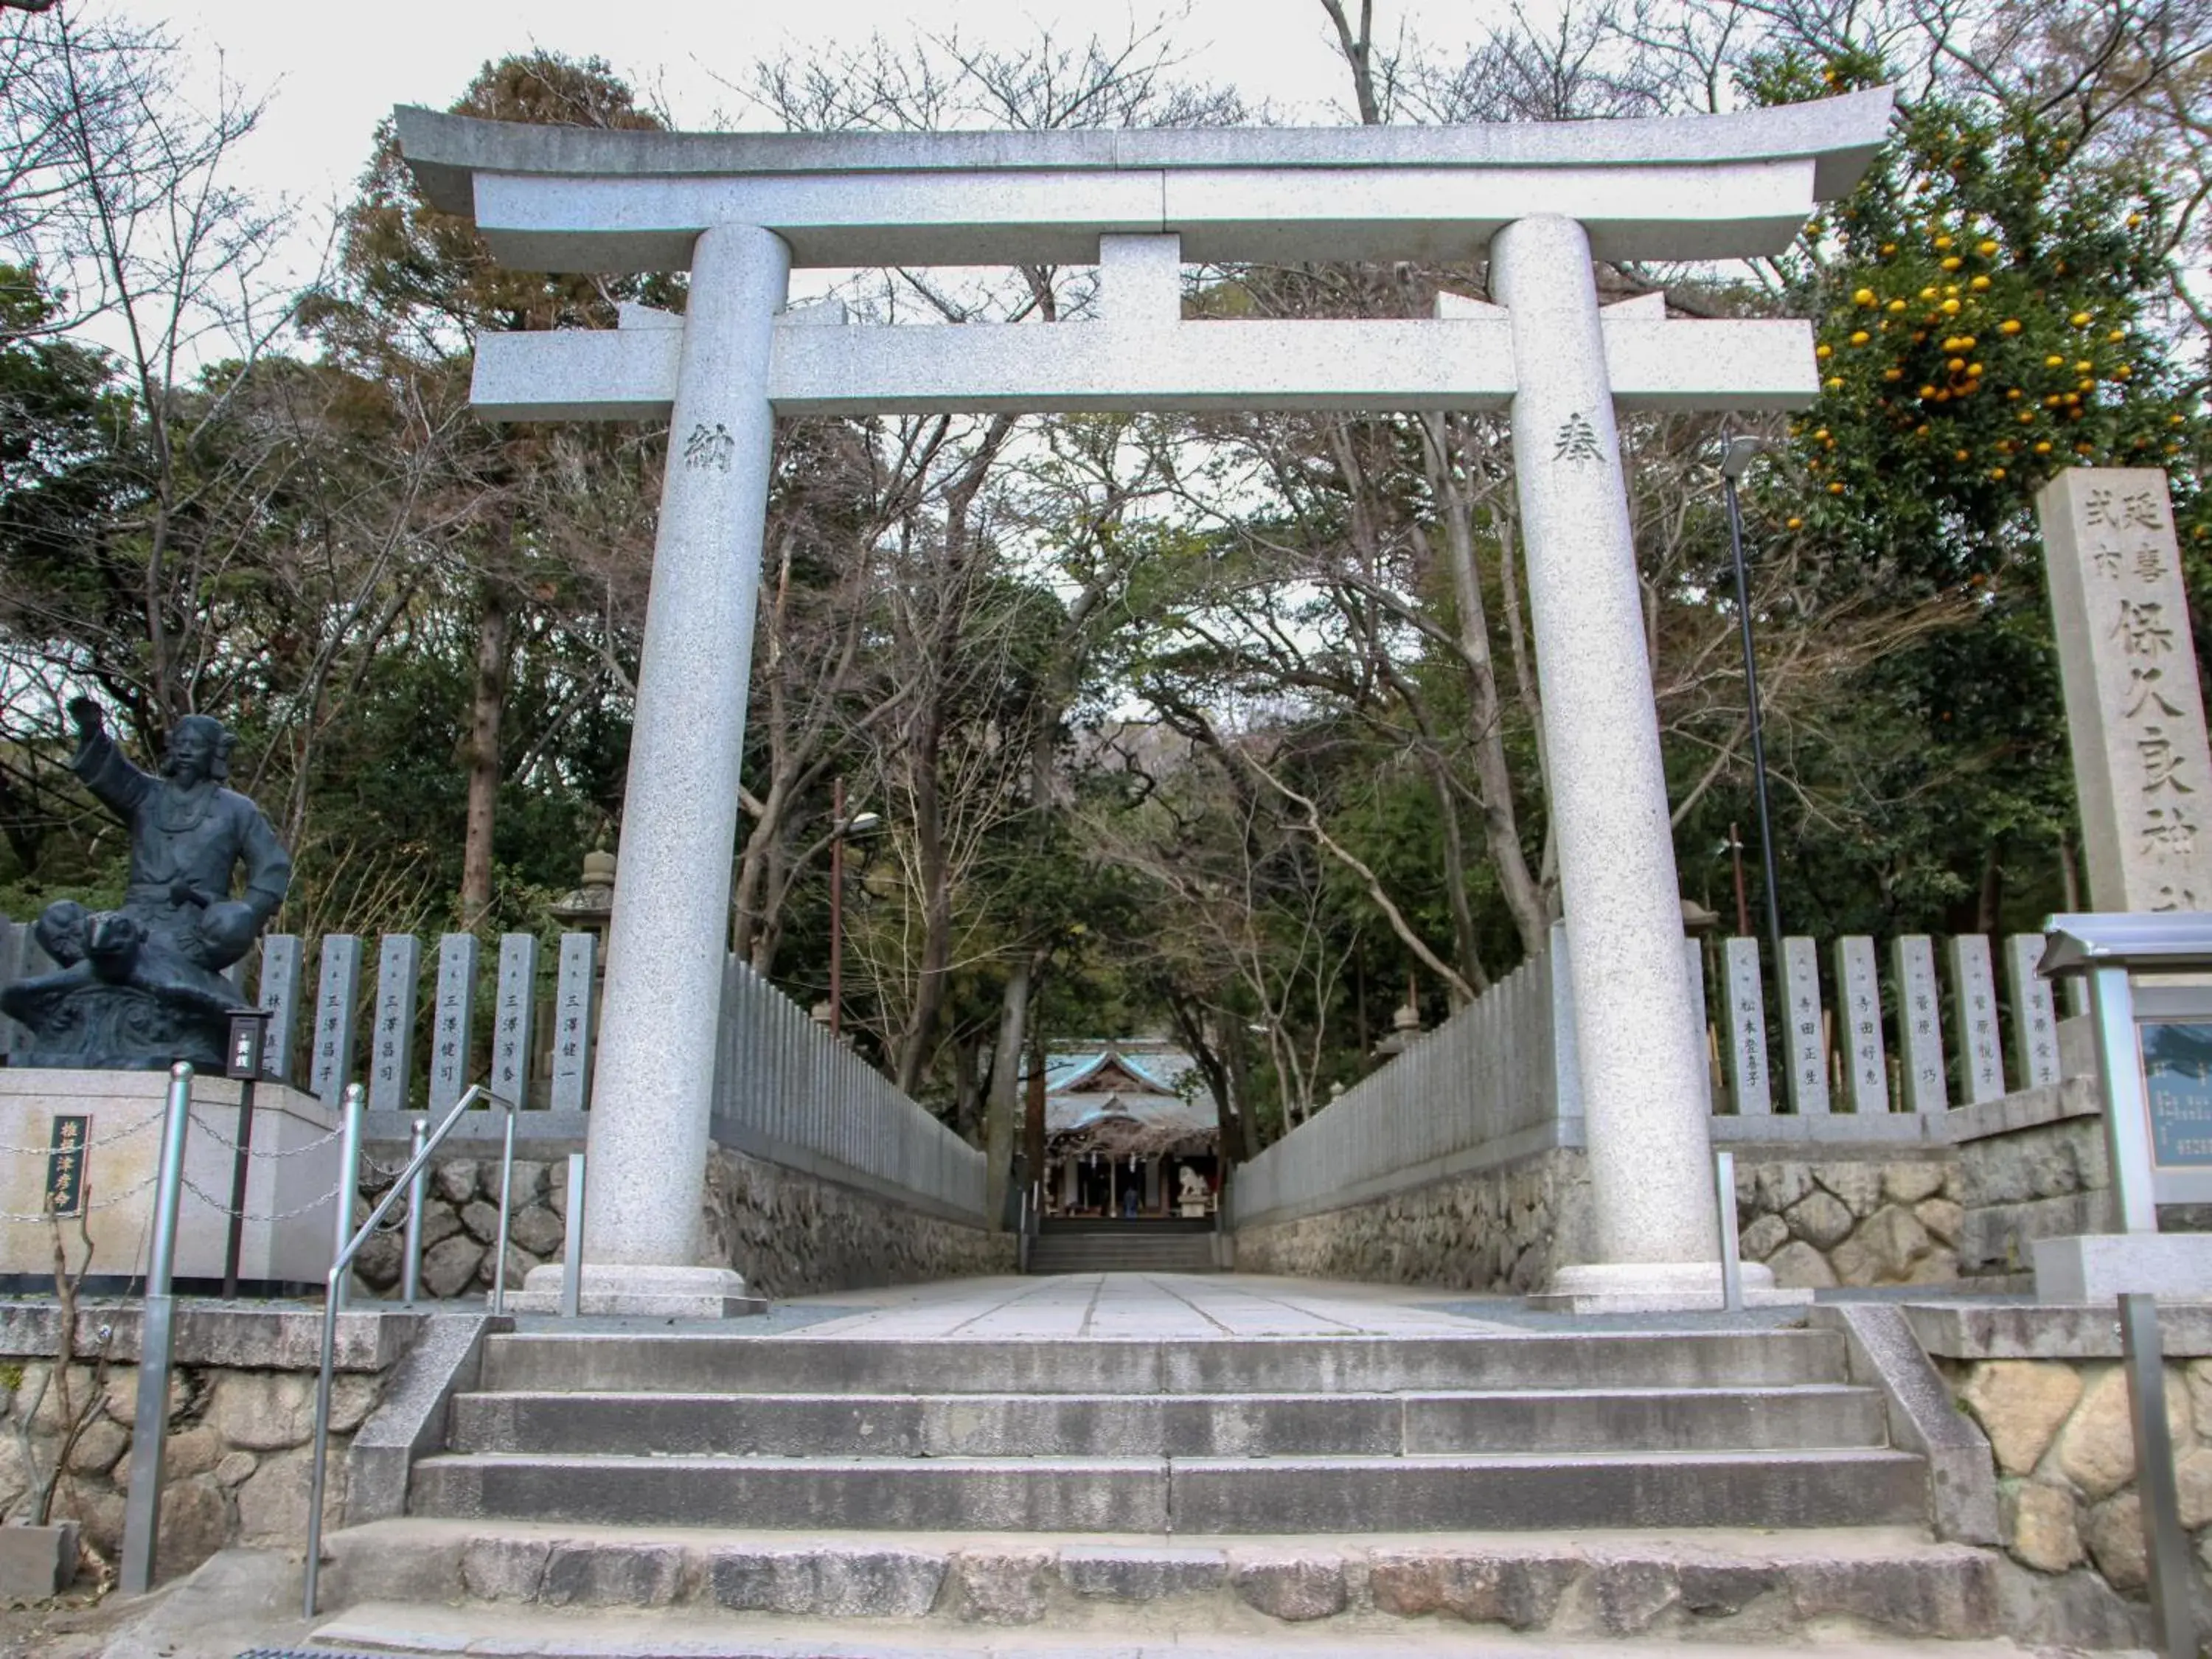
(2064, 1448)
(1820, 1222)
(792, 1233)
(236, 1464)
(2034, 1165)
(1816, 1222)
(460, 1222)
(788, 1232)
(2031, 1166)
(1499, 1229)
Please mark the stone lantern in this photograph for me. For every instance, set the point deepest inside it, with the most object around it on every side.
(591, 908)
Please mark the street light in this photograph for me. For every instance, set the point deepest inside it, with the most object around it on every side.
(1735, 461)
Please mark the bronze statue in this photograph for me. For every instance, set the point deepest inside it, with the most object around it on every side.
(141, 987)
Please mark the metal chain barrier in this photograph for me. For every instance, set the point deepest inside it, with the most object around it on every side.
(143, 1124)
(315, 1203)
(230, 1145)
(108, 1203)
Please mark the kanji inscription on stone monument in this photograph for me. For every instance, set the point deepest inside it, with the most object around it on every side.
(2142, 768)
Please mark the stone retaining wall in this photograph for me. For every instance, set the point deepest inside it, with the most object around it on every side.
(788, 1232)
(2034, 1164)
(2031, 1166)
(460, 1221)
(793, 1234)
(1502, 1229)
(2046, 1387)
(241, 1418)
(1819, 1221)
(235, 1469)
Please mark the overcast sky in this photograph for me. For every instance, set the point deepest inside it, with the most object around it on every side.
(333, 71)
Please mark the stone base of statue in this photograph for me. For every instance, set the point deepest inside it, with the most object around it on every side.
(128, 999)
(116, 1117)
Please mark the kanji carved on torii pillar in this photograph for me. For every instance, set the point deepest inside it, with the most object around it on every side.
(739, 210)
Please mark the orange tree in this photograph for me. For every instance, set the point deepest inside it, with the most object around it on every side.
(1988, 307)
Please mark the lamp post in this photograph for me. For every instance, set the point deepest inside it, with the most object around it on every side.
(1735, 460)
(837, 908)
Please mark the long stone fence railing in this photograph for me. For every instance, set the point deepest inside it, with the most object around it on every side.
(1495, 1081)
(1855, 1056)
(786, 1092)
(789, 1093)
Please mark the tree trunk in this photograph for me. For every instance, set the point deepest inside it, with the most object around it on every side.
(1358, 48)
(1247, 1130)
(966, 1087)
(1462, 910)
(1523, 895)
(487, 705)
(999, 1113)
(1991, 897)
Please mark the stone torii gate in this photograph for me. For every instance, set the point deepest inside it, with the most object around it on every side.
(739, 210)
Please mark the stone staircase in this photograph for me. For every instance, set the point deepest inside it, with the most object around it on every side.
(1697, 1483)
(1151, 1246)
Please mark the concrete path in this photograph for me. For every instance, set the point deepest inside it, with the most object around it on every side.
(1164, 1307)
(1156, 1307)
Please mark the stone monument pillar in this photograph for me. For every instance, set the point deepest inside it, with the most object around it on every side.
(2142, 775)
(2135, 715)
(647, 1154)
(1655, 1221)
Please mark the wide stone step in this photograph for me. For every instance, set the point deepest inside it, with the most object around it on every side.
(1071, 1269)
(1195, 1242)
(752, 1590)
(1205, 1495)
(1076, 1262)
(1061, 1226)
(1218, 1426)
(629, 1362)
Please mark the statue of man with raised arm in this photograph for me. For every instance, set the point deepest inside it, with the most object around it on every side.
(141, 987)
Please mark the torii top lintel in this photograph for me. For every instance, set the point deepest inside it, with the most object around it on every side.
(1689, 187)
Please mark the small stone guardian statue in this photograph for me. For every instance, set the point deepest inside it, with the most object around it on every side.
(1191, 1193)
(140, 988)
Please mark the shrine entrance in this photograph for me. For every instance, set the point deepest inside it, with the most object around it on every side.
(1538, 203)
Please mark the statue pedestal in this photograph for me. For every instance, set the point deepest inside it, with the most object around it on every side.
(124, 1137)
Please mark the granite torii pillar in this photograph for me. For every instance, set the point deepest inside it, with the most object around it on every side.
(670, 923)
(1638, 1034)
(738, 210)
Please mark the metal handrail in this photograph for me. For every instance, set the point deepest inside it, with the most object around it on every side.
(1024, 1221)
(333, 1299)
(1731, 1256)
(156, 1344)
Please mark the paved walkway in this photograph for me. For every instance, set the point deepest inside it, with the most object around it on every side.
(1169, 1307)
(1155, 1306)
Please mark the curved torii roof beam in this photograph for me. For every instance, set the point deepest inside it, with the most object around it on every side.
(1688, 187)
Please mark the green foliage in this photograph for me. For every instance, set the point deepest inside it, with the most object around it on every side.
(1985, 320)
(1987, 313)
